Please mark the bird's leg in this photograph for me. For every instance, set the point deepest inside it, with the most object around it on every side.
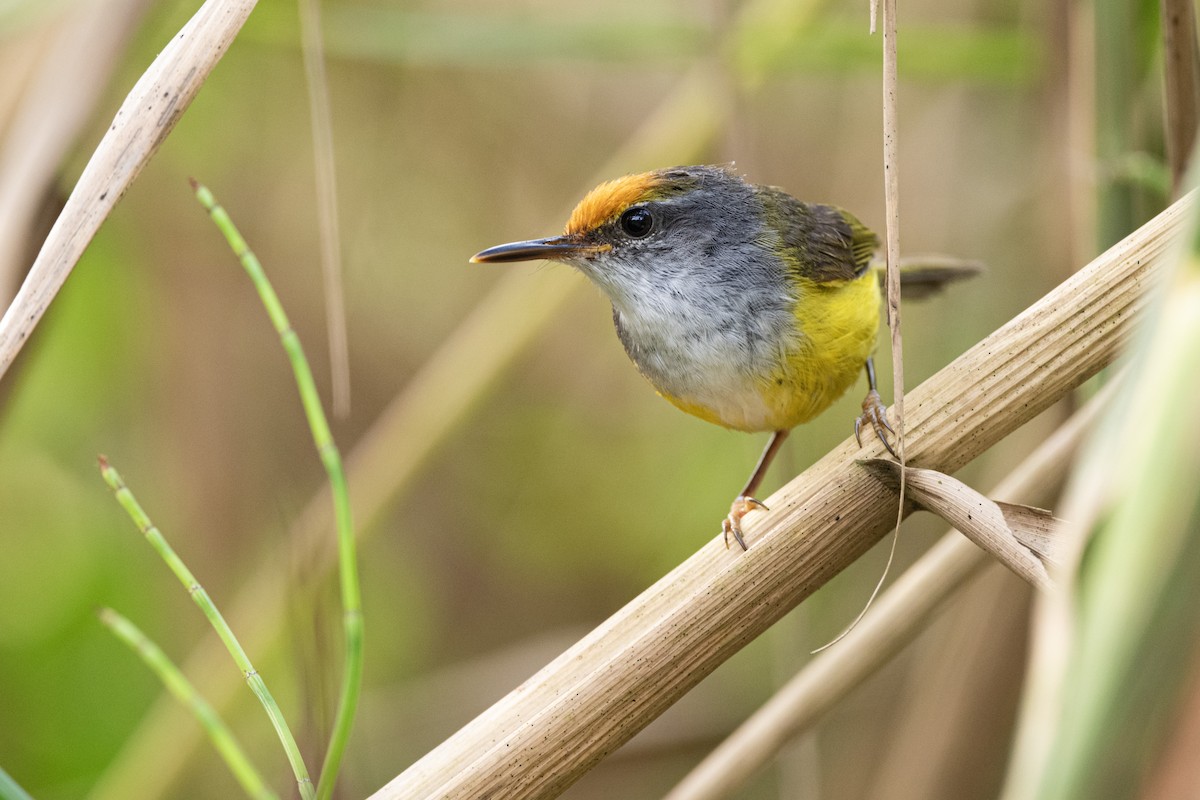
(745, 503)
(874, 412)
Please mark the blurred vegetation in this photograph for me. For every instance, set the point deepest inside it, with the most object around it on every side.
(1133, 663)
(569, 487)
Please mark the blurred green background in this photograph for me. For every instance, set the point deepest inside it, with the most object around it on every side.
(568, 487)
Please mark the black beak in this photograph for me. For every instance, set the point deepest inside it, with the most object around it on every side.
(555, 248)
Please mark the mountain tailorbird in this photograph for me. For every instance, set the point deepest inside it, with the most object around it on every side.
(741, 304)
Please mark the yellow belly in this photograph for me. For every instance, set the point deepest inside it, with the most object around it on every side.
(836, 325)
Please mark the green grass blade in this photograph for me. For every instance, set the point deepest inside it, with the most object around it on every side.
(1133, 662)
(197, 592)
(352, 620)
(222, 738)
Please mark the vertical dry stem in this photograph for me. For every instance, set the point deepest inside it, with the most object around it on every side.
(891, 196)
(1181, 79)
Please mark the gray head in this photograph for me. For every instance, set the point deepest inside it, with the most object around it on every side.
(647, 232)
(689, 259)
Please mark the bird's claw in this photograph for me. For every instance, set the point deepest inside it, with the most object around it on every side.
(733, 523)
(874, 412)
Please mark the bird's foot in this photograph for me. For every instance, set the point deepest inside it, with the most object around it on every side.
(874, 412)
(733, 523)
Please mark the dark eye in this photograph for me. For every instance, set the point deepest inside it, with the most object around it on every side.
(637, 222)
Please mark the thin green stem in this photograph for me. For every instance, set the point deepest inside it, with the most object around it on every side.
(222, 738)
(331, 459)
(157, 541)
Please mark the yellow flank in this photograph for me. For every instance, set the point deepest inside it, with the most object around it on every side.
(838, 323)
(609, 199)
(697, 410)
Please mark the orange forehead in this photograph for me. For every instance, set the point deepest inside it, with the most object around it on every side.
(611, 198)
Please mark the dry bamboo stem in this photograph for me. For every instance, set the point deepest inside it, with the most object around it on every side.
(544, 735)
(899, 614)
(148, 114)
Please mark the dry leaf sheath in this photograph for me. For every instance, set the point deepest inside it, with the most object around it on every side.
(1000, 528)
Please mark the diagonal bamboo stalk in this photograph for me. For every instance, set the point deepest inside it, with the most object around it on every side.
(897, 617)
(544, 735)
(147, 116)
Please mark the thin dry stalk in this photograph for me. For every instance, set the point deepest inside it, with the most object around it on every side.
(891, 203)
(1181, 84)
(901, 612)
(891, 198)
(144, 120)
(544, 735)
(321, 120)
(61, 97)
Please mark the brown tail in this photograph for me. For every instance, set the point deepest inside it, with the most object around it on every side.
(925, 276)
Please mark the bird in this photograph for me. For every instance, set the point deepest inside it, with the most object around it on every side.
(740, 304)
